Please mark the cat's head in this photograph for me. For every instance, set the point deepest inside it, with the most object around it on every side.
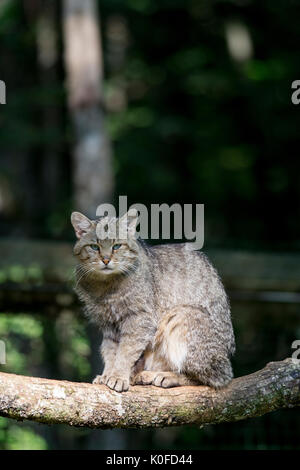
(106, 247)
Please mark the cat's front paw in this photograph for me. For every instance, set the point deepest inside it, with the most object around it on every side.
(99, 379)
(119, 384)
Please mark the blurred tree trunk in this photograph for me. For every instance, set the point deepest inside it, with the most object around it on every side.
(46, 36)
(92, 166)
(92, 160)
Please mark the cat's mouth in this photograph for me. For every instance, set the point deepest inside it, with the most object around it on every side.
(107, 269)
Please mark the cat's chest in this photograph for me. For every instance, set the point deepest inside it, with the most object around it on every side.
(113, 307)
(110, 308)
(110, 305)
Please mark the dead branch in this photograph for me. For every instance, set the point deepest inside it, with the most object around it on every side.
(95, 406)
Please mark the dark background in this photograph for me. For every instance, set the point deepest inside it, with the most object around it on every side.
(189, 122)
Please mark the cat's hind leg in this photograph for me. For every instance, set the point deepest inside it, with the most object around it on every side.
(190, 346)
(163, 366)
(170, 342)
(163, 379)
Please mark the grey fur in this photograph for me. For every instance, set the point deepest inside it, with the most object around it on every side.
(163, 311)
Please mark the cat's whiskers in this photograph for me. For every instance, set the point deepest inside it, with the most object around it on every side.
(126, 269)
(80, 270)
(74, 273)
(83, 272)
(81, 277)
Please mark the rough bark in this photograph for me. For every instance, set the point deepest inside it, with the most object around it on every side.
(95, 406)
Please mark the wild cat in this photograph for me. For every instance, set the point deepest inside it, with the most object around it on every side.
(163, 311)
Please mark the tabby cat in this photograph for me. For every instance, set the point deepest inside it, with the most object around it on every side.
(163, 311)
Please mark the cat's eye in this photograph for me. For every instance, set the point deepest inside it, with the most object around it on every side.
(117, 246)
(95, 247)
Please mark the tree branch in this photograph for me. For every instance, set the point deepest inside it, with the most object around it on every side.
(95, 406)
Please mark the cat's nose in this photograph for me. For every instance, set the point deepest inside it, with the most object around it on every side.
(106, 260)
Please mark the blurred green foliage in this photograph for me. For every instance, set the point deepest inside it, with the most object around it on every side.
(200, 126)
(18, 273)
(16, 437)
(42, 347)
(189, 123)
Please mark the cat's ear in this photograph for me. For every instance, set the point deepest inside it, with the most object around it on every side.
(129, 222)
(80, 223)
(133, 218)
